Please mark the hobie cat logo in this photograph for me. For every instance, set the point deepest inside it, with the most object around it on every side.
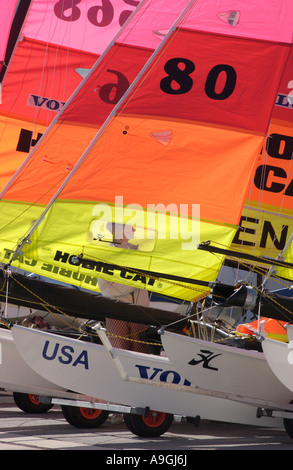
(132, 225)
(206, 357)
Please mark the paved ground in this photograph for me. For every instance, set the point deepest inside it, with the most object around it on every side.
(50, 431)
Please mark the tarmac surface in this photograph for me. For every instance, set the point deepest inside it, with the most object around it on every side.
(50, 431)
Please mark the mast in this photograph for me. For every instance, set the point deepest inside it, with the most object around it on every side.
(18, 21)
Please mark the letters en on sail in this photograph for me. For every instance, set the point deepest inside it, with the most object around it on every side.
(266, 221)
(185, 134)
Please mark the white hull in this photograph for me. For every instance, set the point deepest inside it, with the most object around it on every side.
(148, 380)
(17, 314)
(279, 356)
(17, 376)
(225, 369)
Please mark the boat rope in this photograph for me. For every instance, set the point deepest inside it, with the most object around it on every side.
(60, 312)
(264, 294)
(6, 296)
(197, 329)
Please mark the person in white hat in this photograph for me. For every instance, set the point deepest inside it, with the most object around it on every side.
(119, 328)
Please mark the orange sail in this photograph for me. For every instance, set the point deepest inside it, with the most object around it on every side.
(57, 45)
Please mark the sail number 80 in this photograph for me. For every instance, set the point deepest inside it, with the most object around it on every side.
(179, 81)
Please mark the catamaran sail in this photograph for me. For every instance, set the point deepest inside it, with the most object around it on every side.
(50, 53)
(52, 46)
(266, 222)
(223, 367)
(150, 155)
(121, 61)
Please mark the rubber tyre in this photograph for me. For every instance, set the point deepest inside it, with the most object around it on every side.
(84, 417)
(288, 424)
(128, 423)
(29, 403)
(154, 425)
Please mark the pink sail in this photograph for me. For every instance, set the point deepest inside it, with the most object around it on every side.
(7, 11)
(82, 25)
(252, 21)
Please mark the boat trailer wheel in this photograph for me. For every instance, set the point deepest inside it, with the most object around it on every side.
(29, 403)
(84, 417)
(154, 424)
(288, 424)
